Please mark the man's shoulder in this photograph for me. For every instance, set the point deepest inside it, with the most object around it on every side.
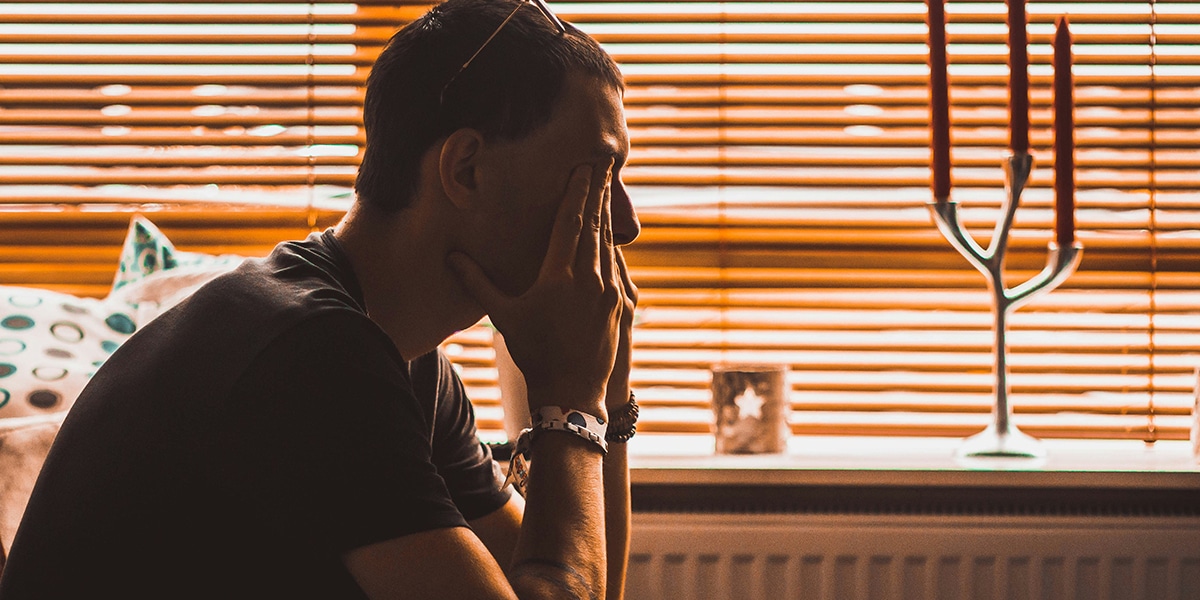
(219, 331)
(303, 276)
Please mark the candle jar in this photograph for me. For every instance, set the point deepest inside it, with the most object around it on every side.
(750, 408)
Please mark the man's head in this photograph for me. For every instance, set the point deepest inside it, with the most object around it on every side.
(418, 93)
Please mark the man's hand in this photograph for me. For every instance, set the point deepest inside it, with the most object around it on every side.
(618, 382)
(563, 331)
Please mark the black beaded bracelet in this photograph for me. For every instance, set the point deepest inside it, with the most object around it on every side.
(623, 424)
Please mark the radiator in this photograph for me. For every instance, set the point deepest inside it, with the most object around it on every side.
(1042, 556)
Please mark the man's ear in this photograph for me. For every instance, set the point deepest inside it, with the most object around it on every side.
(458, 166)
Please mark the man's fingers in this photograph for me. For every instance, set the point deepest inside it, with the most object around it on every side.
(590, 238)
(564, 239)
(629, 292)
(629, 289)
(607, 256)
(477, 283)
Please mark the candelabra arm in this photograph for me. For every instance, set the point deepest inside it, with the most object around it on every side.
(1060, 264)
(946, 216)
(1017, 168)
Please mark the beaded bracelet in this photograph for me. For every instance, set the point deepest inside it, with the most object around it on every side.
(552, 418)
(623, 425)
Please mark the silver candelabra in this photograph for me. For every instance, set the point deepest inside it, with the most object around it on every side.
(1002, 438)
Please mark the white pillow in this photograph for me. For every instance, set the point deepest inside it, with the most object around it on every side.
(156, 293)
(51, 343)
(153, 276)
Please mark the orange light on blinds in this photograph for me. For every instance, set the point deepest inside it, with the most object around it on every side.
(779, 166)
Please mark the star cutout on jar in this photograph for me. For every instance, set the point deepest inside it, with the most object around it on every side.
(750, 404)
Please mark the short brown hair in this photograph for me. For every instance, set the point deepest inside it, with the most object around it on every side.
(507, 92)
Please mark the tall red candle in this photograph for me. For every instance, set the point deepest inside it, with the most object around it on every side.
(1064, 137)
(1018, 78)
(939, 99)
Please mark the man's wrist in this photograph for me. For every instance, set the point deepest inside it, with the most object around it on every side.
(588, 430)
(575, 397)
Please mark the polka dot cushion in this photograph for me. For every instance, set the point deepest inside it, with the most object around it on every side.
(50, 345)
(148, 252)
(153, 276)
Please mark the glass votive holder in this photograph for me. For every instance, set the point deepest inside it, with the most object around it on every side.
(750, 408)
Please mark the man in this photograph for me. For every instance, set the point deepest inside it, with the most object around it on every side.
(291, 432)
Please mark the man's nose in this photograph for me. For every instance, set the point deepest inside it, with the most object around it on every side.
(625, 224)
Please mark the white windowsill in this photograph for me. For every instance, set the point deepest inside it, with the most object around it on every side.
(882, 461)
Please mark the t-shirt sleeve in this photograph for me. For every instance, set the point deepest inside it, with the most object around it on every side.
(463, 461)
(325, 440)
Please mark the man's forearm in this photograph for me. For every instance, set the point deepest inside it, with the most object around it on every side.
(559, 551)
(616, 516)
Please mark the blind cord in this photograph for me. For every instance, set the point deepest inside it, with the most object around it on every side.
(1151, 426)
(311, 116)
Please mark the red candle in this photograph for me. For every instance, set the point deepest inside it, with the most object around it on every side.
(939, 100)
(1064, 137)
(1018, 78)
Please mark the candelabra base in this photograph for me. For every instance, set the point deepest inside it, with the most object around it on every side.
(994, 443)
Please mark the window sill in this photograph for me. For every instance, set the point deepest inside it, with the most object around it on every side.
(907, 462)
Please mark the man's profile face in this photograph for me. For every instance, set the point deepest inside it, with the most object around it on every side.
(587, 127)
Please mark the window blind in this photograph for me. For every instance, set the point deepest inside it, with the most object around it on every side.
(779, 165)
(808, 242)
(231, 125)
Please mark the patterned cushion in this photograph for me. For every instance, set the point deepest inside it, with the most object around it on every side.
(153, 276)
(52, 343)
(147, 253)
